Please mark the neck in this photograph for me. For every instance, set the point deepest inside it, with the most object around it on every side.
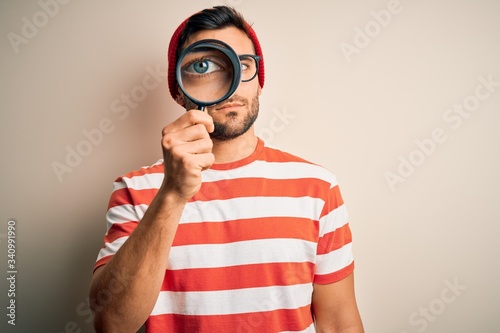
(235, 149)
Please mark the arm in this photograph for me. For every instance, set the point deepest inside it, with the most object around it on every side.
(124, 291)
(335, 309)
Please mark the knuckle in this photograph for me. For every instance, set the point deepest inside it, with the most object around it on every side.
(167, 129)
(187, 161)
(176, 152)
(201, 130)
(191, 116)
(168, 141)
(208, 143)
(211, 158)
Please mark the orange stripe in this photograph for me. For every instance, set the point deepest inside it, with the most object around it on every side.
(243, 187)
(334, 240)
(233, 188)
(128, 196)
(275, 155)
(247, 229)
(102, 261)
(230, 231)
(118, 230)
(120, 197)
(238, 277)
(335, 276)
(264, 321)
(335, 200)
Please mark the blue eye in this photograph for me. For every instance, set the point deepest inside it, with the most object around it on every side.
(202, 67)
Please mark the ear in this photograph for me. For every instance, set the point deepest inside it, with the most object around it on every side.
(259, 90)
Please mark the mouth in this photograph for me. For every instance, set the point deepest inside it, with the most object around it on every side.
(228, 106)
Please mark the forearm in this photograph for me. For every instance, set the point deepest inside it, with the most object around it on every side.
(124, 291)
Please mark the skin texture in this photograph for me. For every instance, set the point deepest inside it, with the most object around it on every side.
(139, 265)
(335, 309)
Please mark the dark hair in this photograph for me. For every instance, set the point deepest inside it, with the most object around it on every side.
(218, 17)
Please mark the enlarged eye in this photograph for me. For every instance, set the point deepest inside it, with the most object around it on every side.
(205, 66)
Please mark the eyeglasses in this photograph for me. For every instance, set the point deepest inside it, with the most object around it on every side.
(249, 67)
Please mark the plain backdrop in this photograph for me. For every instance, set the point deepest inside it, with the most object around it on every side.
(400, 99)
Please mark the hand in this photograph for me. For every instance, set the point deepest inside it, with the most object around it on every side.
(187, 150)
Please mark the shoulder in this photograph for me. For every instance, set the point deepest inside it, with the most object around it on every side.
(145, 177)
(273, 154)
(295, 166)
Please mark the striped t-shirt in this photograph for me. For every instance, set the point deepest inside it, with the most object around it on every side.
(249, 246)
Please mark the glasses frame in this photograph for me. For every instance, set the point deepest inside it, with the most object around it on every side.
(257, 59)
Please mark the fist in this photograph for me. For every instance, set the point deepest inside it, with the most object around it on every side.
(187, 151)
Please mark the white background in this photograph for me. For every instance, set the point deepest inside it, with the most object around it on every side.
(358, 114)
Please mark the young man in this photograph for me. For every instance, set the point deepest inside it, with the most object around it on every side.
(224, 234)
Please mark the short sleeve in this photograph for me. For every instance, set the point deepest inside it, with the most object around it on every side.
(121, 219)
(334, 257)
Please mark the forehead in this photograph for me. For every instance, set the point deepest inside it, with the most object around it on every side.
(234, 37)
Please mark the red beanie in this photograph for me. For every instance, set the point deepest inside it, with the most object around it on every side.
(172, 57)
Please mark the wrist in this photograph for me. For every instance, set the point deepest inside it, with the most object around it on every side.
(171, 197)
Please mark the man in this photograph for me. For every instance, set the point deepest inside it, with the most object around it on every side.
(224, 234)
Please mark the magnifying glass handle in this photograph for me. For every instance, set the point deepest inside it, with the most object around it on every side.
(202, 108)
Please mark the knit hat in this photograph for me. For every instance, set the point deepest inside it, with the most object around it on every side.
(172, 56)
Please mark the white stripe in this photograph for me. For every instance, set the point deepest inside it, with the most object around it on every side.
(111, 248)
(335, 260)
(241, 253)
(144, 182)
(334, 220)
(119, 185)
(252, 207)
(272, 170)
(125, 213)
(234, 301)
(256, 169)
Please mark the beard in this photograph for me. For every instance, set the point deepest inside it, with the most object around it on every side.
(232, 127)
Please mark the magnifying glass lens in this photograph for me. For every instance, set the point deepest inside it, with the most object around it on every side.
(206, 74)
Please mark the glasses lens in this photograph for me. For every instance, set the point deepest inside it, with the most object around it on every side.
(248, 68)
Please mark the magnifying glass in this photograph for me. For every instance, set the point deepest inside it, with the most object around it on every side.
(208, 72)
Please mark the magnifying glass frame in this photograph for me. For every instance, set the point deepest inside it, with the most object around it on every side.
(228, 52)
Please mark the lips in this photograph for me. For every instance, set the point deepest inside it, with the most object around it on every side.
(228, 106)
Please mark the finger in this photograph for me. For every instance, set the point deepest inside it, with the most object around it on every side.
(189, 134)
(189, 119)
(194, 148)
(205, 161)
(192, 164)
